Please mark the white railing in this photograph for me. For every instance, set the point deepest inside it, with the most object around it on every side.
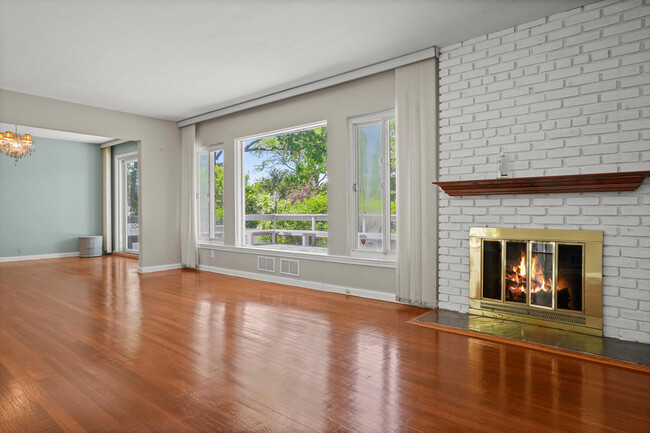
(309, 237)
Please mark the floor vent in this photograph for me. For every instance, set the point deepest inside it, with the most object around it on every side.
(289, 267)
(266, 264)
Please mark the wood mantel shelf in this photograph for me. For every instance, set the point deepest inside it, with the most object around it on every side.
(600, 182)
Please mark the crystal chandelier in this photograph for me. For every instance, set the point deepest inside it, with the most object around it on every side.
(16, 146)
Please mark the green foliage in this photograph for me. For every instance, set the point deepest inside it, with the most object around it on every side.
(132, 187)
(218, 194)
(292, 161)
(392, 130)
(296, 168)
(371, 194)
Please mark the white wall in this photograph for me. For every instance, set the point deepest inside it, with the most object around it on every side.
(565, 94)
(159, 157)
(335, 105)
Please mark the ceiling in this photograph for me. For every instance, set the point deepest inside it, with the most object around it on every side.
(175, 59)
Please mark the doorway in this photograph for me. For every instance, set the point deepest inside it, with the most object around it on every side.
(126, 201)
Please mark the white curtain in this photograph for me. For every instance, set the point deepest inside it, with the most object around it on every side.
(107, 211)
(417, 166)
(189, 252)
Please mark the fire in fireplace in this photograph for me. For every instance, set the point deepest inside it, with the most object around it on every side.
(549, 277)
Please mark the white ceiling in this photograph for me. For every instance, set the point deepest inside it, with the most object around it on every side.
(174, 59)
(51, 133)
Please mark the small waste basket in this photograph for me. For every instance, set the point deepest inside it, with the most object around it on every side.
(90, 246)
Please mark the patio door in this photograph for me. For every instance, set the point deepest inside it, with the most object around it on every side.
(127, 203)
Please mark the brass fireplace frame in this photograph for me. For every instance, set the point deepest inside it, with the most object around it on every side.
(588, 321)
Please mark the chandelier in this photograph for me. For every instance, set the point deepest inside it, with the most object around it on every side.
(16, 146)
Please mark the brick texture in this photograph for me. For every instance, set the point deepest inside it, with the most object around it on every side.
(567, 94)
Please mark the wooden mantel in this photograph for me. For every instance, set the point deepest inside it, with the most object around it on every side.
(600, 182)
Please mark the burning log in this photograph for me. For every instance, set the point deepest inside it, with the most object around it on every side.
(544, 299)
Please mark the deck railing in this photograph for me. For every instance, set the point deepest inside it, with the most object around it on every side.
(309, 237)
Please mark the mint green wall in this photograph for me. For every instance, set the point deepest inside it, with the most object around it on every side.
(50, 198)
(128, 147)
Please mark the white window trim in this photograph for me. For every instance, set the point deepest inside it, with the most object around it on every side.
(302, 255)
(240, 208)
(198, 151)
(120, 200)
(353, 176)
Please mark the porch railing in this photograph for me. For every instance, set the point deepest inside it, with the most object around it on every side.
(309, 237)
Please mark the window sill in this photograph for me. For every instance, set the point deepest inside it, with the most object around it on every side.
(373, 255)
(209, 241)
(361, 261)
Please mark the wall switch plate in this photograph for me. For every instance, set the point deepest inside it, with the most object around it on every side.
(211, 253)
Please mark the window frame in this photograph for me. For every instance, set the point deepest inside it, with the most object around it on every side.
(383, 117)
(199, 151)
(240, 173)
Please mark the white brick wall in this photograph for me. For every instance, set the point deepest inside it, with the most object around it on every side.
(566, 94)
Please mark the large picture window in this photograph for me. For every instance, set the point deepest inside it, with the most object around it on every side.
(285, 189)
(374, 187)
(210, 193)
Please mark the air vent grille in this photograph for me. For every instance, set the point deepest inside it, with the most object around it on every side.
(289, 267)
(266, 264)
(537, 314)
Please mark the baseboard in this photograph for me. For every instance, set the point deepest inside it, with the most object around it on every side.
(324, 287)
(147, 269)
(38, 257)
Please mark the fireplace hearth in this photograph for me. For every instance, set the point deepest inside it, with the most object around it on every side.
(545, 277)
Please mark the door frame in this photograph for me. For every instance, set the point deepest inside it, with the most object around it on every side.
(120, 201)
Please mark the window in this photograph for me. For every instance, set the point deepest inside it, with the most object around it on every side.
(284, 189)
(373, 182)
(210, 193)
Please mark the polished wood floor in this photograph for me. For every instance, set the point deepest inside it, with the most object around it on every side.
(89, 345)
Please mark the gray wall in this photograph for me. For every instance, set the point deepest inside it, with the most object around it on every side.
(50, 198)
(159, 157)
(335, 105)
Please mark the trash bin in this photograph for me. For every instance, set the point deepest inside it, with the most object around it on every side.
(90, 246)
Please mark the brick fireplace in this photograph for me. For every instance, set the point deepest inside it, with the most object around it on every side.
(563, 95)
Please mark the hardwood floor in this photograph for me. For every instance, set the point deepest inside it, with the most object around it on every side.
(89, 345)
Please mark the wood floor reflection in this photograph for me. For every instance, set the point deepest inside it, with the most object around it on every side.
(89, 345)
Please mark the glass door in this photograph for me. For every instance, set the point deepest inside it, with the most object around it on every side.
(127, 204)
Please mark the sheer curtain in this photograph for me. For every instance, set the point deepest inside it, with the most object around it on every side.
(417, 166)
(189, 252)
(107, 210)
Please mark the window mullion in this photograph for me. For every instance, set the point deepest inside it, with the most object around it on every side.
(385, 173)
(356, 188)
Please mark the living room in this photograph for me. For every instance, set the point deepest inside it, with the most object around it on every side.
(370, 242)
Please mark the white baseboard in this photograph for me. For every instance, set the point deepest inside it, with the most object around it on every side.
(38, 257)
(147, 269)
(363, 293)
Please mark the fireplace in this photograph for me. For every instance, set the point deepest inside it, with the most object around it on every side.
(544, 277)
